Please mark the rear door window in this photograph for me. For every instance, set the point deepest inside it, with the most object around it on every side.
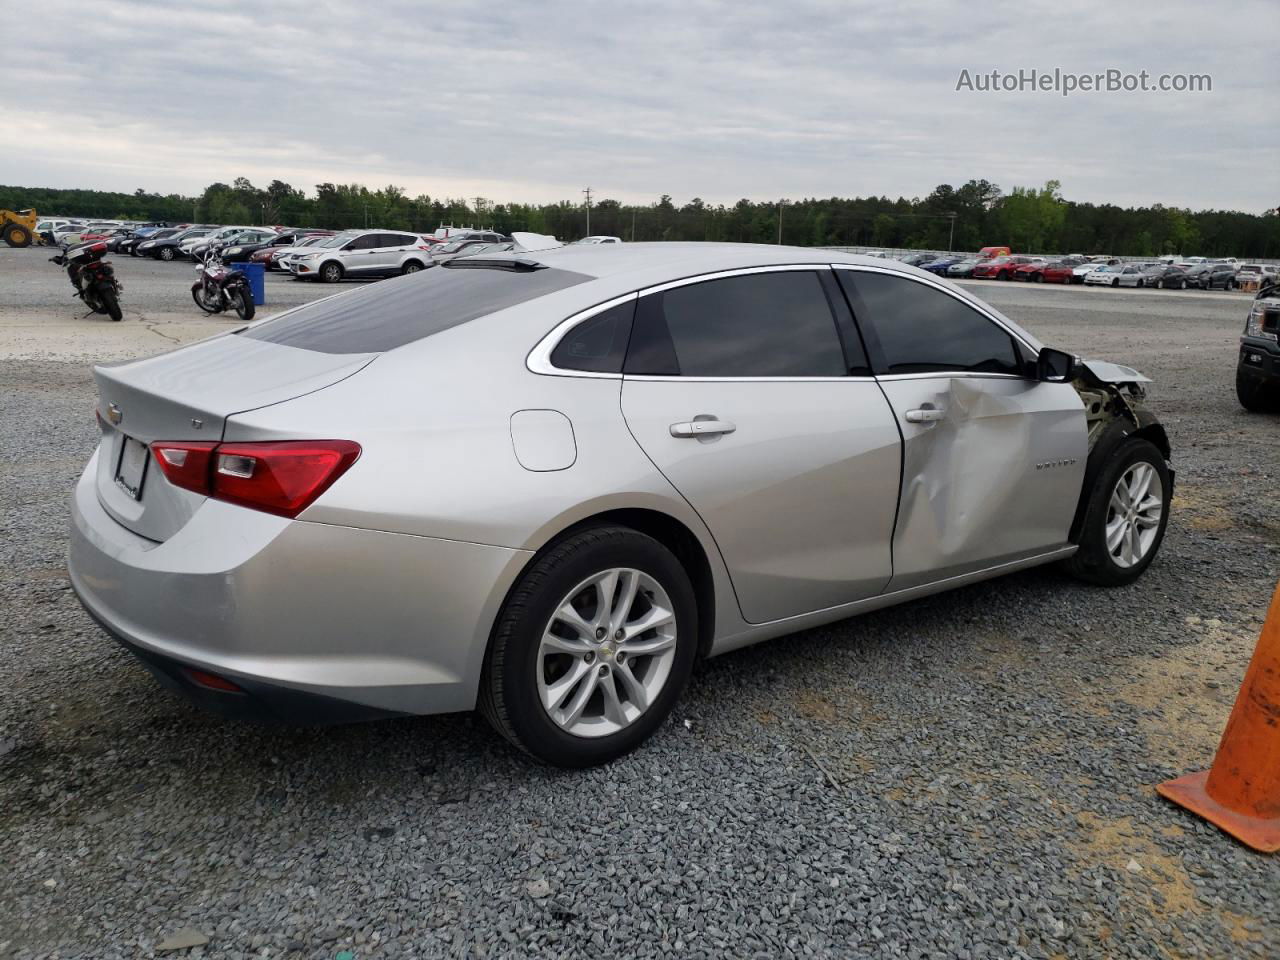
(776, 324)
(390, 314)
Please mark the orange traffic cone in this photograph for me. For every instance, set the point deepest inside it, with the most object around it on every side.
(1241, 791)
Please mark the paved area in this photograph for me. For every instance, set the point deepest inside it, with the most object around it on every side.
(966, 776)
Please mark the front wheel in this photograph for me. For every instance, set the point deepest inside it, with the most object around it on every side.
(1002, 275)
(1255, 394)
(166, 253)
(1125, 518)
(331, 272)
(242, 300)
(206, 298)
(592, 649)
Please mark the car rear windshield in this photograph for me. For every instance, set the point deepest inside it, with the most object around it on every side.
(389, 314)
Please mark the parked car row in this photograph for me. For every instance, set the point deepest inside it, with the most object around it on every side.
(306, 253)
(996, 263)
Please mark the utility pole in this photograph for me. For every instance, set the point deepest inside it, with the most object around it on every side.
(951, 240)
(587, 193)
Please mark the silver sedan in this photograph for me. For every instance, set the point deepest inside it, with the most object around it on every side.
(546, 484)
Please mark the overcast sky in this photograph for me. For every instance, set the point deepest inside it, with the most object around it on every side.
(720, 99)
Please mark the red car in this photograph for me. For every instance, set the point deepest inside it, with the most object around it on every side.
(999, 268)
(1060, 271)
(1032, 270)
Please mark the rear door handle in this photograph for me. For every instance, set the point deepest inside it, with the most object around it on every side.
(702, 428)
(925, 415)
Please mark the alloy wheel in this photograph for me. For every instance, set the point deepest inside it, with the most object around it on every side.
(1133, 514)
(606, 652)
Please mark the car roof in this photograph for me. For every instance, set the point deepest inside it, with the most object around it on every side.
(619, 269)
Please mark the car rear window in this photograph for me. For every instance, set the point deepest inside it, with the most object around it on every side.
(389, 314)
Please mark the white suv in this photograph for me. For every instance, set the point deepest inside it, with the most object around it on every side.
(363, 253)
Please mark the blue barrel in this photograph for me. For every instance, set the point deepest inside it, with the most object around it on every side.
(257, 276)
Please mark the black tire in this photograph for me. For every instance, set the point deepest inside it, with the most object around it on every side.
(1002, 275)
(1115, 282)
(1182, 285)
(16, 235)
(509, 696)
(1159, 284)
(166, 254)
(330, 272)
(1255, 394)
(201, 302)
(1037, 277)
(242, 300)
(1093, 563)
(413, 266)
(111, 304)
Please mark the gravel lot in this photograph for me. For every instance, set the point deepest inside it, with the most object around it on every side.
(966, 776)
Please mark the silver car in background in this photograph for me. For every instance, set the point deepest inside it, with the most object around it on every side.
(546, 484)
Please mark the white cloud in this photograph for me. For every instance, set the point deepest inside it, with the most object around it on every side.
(709, 98)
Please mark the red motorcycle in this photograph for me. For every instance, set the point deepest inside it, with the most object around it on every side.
(220, 288)
(94, 278)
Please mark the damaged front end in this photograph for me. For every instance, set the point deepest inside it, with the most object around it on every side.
(1114, 407)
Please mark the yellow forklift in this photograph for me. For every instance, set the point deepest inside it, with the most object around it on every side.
(18, 228)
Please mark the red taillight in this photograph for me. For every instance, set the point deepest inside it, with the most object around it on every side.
(185, 465)
(211, 681)
(281, 477)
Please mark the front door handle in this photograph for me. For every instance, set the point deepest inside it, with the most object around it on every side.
(925, 414)
(709, 427)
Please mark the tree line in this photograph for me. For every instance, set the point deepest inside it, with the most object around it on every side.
(976, 214)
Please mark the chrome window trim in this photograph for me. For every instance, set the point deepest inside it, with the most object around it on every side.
(737, 272)
(952, 375)
(539, 358)
(934, 284)
(643, 377)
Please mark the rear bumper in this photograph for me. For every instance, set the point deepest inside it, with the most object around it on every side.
(314, 622)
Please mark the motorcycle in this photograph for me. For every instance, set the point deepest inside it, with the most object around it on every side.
(220, 288)
(94, 278)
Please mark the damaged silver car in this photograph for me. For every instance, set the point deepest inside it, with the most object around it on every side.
(546, 483)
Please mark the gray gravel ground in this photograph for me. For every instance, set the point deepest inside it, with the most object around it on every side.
(993, 752)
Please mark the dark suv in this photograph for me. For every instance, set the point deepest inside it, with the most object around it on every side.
(1258, 370)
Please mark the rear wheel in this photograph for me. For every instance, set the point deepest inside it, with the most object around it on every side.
(1125, 518)
(110, 304)
(166, 253)
(16, 235)
(592, 649)
(1002, 275)
(413, 266)
(1255, 394)
(331, 272)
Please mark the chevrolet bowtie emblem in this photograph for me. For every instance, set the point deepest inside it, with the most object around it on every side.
(114, 414)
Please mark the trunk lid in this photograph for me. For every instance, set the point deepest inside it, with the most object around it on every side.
(188, 394)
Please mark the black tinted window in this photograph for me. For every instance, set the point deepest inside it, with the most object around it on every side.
(598, 344)
(757, 325)
(921, 329)
(389, 314)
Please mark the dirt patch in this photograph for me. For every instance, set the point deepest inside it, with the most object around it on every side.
(1184, 695)
(1116, 843)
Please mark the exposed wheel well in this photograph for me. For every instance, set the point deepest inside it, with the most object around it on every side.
(677, 538)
